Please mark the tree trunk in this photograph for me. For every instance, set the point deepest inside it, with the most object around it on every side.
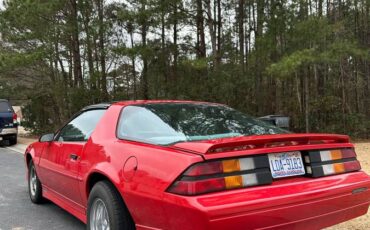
(259, 62)
(105, 96)
(77, 69)
(307, 101)
(175, 37)
(201, 41)
(241, 33)
(219, 34)
(90, 61)
(133, 63)
(144, 83)
(212, 32)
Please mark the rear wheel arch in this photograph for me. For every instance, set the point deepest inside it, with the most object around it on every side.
(28, 159)
(96, 177)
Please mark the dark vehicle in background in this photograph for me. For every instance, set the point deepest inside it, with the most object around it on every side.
(8, 123)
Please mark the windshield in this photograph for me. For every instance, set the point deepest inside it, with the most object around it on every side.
(169, 123)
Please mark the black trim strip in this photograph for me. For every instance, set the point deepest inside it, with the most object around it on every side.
(221, 175)
(260, 161)
(333, 162)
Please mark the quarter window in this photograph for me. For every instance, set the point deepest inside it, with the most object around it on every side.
(81, 128)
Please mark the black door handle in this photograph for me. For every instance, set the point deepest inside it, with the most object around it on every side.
(73, 156)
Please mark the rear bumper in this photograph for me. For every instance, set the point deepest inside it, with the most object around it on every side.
(296, 203)
(8, 131)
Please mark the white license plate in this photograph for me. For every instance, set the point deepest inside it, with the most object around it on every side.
(286, 164)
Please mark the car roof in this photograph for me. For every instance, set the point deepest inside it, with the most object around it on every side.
(3, 100)
(97, 106)
(143, 102)
(140, 102)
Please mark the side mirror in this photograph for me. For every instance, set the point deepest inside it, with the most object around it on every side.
(47, 137)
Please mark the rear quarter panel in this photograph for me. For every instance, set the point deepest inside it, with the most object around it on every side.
(142, 181)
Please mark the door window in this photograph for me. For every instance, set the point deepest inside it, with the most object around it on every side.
(81, 128)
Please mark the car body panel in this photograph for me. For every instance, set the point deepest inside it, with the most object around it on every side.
(283, 203)
(143, 172)
(59, 171)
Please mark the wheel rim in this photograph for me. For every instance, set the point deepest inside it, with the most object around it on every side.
(99, 219)
(33, 181)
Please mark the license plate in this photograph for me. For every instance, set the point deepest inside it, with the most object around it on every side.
(1, 138)
(286, 164)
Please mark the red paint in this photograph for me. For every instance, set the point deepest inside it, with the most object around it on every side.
(143, 172)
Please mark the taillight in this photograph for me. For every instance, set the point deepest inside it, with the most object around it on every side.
(15, 118)
(223, 175)
(330, 162)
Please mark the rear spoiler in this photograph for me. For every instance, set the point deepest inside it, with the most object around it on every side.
(263, 142)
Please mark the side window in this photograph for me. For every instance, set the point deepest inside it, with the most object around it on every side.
(81, 128)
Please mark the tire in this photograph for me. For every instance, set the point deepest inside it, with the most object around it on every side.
(13, 140)
(105, 195)
(34, 185)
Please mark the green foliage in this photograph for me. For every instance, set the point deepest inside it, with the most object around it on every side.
(38, 115)
(296, 61)
(292, 63)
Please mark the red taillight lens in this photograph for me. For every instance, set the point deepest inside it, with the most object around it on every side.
(15, 118)
(205, 169)
(198, 187)
(223, 175)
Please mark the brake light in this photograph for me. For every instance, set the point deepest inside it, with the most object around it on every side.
(331, 162)
(15, 118)
(329, 155)
(223, 175)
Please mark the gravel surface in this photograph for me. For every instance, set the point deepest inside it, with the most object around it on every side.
(363, 222)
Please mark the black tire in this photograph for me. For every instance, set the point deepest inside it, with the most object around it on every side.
(13, 140)
(36, 194)
(119, 216)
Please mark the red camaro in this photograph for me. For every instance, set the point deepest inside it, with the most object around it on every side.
(194, 165)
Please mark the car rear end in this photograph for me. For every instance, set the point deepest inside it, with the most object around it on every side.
(287, 181)
(8, 122)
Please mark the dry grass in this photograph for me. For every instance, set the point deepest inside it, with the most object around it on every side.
(363, 222)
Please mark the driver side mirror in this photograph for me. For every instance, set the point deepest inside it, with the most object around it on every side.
(47, 137)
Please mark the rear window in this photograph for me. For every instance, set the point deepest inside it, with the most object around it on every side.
(5, 107)
(167, 123)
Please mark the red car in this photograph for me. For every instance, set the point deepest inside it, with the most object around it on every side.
(194, 165)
